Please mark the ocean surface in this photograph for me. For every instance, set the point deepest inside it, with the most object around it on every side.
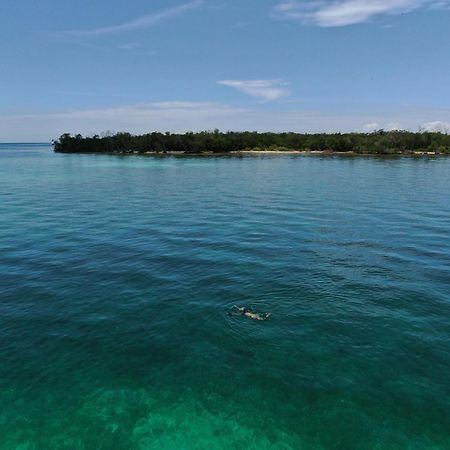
(117, 275)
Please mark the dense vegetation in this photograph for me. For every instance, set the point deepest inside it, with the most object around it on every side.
(379, 142)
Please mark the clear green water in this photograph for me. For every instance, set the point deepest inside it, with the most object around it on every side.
(116, 275)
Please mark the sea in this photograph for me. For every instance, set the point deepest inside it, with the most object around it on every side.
(118, 276)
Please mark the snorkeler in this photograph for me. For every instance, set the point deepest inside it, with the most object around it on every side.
(248, 313)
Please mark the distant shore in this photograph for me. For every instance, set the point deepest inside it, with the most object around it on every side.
(252, 143)
(330, 152)
(238, 153)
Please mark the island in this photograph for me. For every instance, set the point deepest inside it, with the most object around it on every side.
(215, 142)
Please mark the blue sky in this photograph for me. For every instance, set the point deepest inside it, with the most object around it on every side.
(307, 65)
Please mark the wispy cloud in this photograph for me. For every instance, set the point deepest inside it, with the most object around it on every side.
(438, 126)
(267, 90)
(386, 126)
(196, 116)
(129, 46)
(141, 22)
(135, 48)
(339, 13)
(370, 127)
(173, 116)
(393, 126)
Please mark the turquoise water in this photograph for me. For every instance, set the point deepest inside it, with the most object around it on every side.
(116, 275)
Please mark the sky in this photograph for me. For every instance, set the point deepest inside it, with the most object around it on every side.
(100, 66)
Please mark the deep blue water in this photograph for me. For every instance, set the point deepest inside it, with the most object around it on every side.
(117, 273)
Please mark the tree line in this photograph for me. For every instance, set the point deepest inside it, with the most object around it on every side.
(378, 142)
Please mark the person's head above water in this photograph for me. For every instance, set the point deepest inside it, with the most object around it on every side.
(249, 313)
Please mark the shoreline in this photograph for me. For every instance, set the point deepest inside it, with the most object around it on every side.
(239, 153)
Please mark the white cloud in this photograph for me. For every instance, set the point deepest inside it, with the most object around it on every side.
(141, 22)
(437, 126)
(267, 90)
(386, 126)
(196, 116)
(370, 127)
(393, 126)
(338, 13)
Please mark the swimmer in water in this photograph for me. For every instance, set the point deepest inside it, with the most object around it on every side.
(252, 315)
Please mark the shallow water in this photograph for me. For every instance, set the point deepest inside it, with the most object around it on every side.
(117, 273)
